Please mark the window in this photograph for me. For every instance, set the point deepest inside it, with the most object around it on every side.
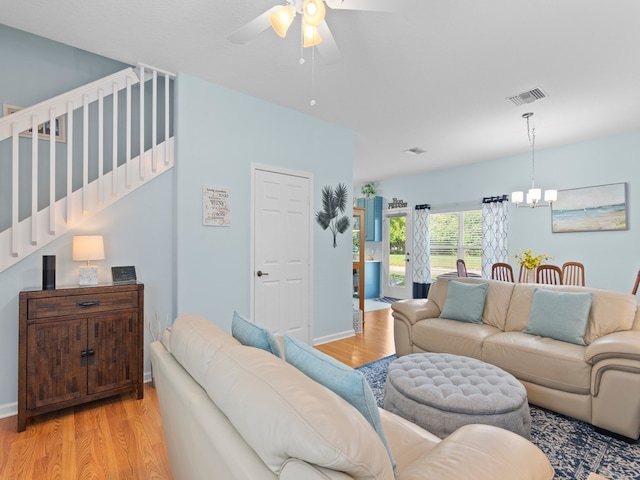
(454, 235)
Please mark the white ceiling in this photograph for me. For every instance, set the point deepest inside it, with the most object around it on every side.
(434, 76)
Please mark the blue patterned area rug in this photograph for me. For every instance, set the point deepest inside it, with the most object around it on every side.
(574, 448)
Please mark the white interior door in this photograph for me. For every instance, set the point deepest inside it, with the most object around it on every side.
(397, 279)
(281, 287)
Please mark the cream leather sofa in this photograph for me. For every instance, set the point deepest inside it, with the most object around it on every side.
(598, 383)
(236, 412)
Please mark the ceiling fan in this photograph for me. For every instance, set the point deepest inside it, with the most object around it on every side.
(315, 31)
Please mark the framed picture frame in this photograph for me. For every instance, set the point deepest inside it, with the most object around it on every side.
(43, 128)
(590, 209)
(123, 275)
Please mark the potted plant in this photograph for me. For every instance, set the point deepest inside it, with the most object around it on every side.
(368, 190)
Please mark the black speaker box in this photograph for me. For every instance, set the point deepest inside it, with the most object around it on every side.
(48, 272)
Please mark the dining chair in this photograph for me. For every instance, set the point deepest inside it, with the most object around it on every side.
(549, 274)
(573, 273)
(462, 268)
(502, 271)
(635, 287)
(526, 275)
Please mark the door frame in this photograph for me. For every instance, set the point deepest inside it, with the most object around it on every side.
(408, 288)
(252, 269)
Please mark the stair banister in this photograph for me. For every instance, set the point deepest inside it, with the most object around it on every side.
(25, 237)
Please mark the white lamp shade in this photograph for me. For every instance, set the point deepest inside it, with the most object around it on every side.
(550, 195)
(88, 247)
(517, 197)
(534, 194)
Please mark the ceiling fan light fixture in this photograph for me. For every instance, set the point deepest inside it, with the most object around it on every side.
(313, 11)
(282, 19)
(311, 36)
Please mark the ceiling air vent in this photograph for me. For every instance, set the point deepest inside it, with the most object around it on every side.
(414, 151)
(527, 97)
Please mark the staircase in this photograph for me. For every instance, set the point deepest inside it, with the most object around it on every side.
(101, 149)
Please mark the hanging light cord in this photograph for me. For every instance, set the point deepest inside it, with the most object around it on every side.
(531, 133)
(313, 74)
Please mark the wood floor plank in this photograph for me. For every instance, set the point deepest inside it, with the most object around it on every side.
(375, 341)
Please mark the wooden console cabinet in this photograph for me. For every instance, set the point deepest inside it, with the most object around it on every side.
(77, 345)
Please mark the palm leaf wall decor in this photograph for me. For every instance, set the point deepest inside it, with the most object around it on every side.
(334, 203)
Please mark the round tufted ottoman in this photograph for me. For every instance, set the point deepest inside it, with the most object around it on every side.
(442, 392)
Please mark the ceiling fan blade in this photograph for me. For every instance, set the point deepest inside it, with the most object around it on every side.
(254, 27)
(371, 5)
(328, 49)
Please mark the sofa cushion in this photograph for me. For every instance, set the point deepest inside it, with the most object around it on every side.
(252, 335)
(194, 340)
(559, 315)
(496, 304)
(561, 367)
(350, 384)
(450, 336)
(282, 413)
(465, 302)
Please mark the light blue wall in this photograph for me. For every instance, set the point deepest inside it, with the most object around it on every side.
(137, 231)
(220, 134)
(611, 258)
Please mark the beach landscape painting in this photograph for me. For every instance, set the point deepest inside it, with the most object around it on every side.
(589, 209)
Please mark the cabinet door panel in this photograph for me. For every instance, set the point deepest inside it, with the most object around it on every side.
(54, 364)
(113, 347)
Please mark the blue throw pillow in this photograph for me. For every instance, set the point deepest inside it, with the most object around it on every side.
(559, 315)
(465, 301)
(340, 378)
(248, 333)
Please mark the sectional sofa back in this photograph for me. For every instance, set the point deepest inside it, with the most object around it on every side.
(508, 305)
(496, 305)
(610, 311)
(280, 412)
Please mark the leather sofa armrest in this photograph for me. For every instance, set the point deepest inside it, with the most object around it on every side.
(414, 310)
(624, 345)
(481, 452)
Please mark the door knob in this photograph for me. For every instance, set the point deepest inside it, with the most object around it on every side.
(261, 273)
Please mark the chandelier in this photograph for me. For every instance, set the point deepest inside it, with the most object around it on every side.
(534, 195)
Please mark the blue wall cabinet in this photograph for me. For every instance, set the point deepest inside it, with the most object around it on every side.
(372, 218)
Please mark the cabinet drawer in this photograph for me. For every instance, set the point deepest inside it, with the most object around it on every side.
(80, 304)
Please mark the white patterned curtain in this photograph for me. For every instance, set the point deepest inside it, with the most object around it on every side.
(494, 232)
(421, 262)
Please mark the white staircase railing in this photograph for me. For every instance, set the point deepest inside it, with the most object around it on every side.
(139, 151)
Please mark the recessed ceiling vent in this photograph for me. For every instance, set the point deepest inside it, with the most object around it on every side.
(414, 151)
(527, 97)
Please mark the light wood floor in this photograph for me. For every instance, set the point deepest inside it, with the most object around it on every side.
(121, 438)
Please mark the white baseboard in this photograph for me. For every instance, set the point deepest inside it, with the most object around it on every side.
(8, 410)
(334, 337)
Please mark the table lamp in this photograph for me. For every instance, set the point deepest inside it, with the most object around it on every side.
(87, 248)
